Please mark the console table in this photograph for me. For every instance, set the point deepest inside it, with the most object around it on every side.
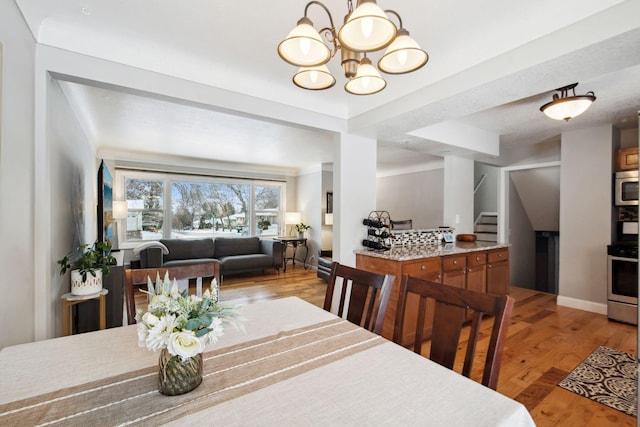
(293, 242)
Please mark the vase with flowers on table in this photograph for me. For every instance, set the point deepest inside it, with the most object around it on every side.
(180, 326)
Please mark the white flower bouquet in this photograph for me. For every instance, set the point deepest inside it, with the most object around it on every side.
(183, 324)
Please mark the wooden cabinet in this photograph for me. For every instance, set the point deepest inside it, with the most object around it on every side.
(427, 269)
(498, 272)
(627, 159)
(479, 270)
(454, 270)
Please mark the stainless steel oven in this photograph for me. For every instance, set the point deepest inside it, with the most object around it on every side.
(626, 188)
(622, 283)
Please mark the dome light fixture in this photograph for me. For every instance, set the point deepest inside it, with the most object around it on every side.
(564, 107)
(365, 29)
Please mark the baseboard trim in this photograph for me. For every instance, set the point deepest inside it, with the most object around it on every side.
(580, 304)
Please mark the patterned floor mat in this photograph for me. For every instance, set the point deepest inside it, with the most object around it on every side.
(607, 376)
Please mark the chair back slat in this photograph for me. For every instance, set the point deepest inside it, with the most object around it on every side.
(138, 276)
(449, 312)
(363, 294)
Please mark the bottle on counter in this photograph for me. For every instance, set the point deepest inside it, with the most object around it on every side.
(378, 233)
(372, 223)
(373, 245)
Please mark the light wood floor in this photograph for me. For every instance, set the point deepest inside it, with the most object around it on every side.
(545, 342)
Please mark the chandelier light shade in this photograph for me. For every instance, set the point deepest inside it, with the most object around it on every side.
(564, 107)
(403, 55)
(367, 80)
(303, 46)
(314, 78)
(366, 29)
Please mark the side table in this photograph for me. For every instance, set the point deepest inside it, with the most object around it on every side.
(294, 242)
(69, 300)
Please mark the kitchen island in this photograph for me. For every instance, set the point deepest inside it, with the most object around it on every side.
(480, 266)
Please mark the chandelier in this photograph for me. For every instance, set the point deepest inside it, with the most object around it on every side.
(366, 29)
(565, 107)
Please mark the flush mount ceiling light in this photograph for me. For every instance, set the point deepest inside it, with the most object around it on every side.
(366, 29)
(564, 107)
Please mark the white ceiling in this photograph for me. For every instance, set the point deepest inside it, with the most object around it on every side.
(492, 64)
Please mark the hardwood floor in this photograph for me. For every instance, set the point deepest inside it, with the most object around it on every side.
(545, 342)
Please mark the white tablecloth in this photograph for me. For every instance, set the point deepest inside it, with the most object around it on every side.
(382, 385)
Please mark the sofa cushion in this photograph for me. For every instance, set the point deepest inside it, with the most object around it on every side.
(181, 262)
(229, 246)
(245, 262)
(180, 249)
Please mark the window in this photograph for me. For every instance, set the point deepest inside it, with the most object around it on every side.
(145, 202)
(169, 205)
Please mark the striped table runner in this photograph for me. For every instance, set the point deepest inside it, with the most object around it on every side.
(133, 398)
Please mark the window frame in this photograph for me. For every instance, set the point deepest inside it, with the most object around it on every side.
(168, 178)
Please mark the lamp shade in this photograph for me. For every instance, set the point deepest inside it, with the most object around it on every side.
(328, 219)
(119, 209)
(292, 218)
(568, 108)
(303, 46)
(404, 55)
(367, 28)
(367, 80)
(314, 78)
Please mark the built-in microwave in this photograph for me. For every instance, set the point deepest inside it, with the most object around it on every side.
(626, 188)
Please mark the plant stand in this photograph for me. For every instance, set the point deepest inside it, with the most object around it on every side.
(69, 300)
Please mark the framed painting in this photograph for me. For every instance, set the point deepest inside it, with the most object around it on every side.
(329, 202)
(105, 205)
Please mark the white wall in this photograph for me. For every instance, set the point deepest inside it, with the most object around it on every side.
(522, 238)
(72, 183)
(308, 202)
(417, 196)
(16, 178)
(585, 217)
(354, 194)
(458, 194)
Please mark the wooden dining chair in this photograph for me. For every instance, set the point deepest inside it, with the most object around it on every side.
(139, 276)
(449, 311)
(364, 295)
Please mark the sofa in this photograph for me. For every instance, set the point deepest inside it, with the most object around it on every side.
(235, 254)
(324, 265)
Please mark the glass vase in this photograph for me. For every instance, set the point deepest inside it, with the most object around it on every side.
(177, 376)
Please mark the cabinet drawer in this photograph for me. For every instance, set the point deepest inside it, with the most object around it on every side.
(478, 258)
(425, 269)
(453, 263)
(499, 255)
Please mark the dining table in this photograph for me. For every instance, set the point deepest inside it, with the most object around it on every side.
(291, 364)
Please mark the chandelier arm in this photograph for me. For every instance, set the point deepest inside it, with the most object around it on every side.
(393, 12)
(306, 9)
(329, 33)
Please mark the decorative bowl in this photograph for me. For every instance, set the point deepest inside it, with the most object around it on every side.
(466, 237)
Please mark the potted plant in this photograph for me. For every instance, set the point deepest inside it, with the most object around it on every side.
(301, 228)
(88, 264)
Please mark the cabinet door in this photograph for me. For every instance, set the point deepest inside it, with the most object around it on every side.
(628, 158)
(454, 270)
(477, 272)
(427, 269)
(498, 271)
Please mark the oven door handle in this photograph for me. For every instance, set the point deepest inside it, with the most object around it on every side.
(617, 258)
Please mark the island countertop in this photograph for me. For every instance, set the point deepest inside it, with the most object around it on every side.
(408, 253)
